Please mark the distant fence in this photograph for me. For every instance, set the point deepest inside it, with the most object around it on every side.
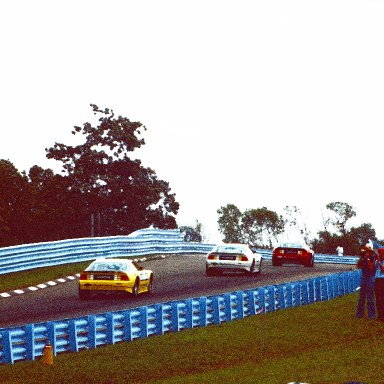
(76, 334)
(140, 243)
(319, 258)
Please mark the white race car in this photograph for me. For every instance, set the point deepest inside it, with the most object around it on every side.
(232, 258)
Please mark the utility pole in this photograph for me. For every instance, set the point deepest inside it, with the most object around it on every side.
(92, 224)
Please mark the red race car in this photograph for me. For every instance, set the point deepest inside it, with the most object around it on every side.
(293, 253)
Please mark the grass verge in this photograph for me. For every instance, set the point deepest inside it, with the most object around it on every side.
(35, 276)
(319, 343)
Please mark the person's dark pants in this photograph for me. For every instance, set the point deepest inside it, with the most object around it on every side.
(366, 295)
(379, 295)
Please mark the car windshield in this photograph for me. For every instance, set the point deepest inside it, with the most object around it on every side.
(292, 245)
(229, 249)
(103, 266)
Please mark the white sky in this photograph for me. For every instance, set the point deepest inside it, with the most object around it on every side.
(254, 103)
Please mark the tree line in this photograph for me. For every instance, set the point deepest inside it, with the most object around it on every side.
(102, 191)
(264, 228)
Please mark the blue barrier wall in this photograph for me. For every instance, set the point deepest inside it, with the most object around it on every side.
(139, 243)
(76, 334)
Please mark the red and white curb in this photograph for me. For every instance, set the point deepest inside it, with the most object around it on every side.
(48, 284)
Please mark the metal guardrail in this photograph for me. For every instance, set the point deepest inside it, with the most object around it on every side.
(72, 335)
(319, 258)
(140, 243)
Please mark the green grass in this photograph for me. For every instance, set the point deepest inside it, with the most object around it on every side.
(319, 343)
(30, 277)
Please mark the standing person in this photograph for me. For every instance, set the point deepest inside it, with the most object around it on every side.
(340, 250)
(367, 264)
(379, 285)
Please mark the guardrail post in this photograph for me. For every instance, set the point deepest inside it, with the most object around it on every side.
(203, 311)
(30, 342)
(189, 314)
(251, 302)
(324, 289)
(110, 328)
(159, 319)
(311, 291)
(261, 300)
(296, 294)
(332, 287)
(346, 283)
(288, 295)
(73, 345)
(51, 327)
(144, 321)
(352, 281)
(7, 346)
(341, 286)
(304, 292)
(228, 307)
(240, 304)
(91, 320)
(127, 326)
(356, 278)
(317, 289)
(175, 317)
(216, 309)
(271, 300)
(280, 296)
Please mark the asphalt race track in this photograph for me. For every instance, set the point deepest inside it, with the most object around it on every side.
(176, 277)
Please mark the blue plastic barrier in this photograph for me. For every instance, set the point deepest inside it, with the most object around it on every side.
(73, 335)
(140, 243)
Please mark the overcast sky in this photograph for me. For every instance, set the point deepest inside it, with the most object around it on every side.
(253, 103)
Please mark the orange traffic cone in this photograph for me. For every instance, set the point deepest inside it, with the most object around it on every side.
(47, 355)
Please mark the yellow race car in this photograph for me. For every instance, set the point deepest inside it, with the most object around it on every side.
(115, 276)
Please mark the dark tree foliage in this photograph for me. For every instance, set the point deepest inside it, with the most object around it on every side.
(230, 223)
(15, 220)
(342, 213)
(192, 234)
(350, 239)
(122, 195)
(101, 192)
(56, 208)
(256, 227)
(261, 226)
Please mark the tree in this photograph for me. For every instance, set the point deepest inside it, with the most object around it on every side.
(15, 222)
(328, 241)
(125, 195)
(230, 223)
(261, 226)
(57, 210)
(357, 237)
(192, 234)
(342, 212)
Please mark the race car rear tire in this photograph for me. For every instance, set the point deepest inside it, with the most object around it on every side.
(150, 285)
(135, 289)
